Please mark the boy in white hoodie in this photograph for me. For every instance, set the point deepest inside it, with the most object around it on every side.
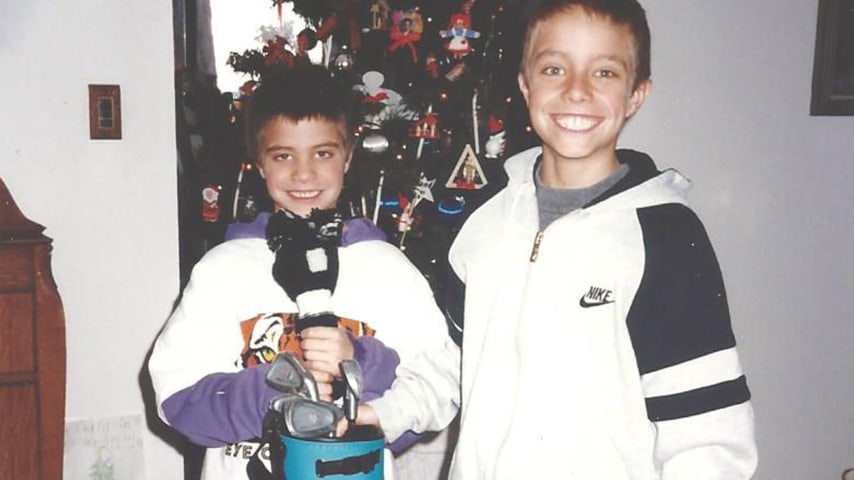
(597, 340)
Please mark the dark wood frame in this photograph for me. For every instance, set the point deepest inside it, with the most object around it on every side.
(833, 28)
(105, 97)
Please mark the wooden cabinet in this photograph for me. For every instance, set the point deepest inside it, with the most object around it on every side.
(32, 351)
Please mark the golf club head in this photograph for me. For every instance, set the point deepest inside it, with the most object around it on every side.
(288, 374)
(285, 373)
(306, 418)
(280, 403)
(354, 379)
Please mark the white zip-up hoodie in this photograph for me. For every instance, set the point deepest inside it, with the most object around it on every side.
(601, 347)
(597, 349)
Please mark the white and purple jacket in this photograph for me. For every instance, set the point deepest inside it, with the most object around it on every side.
(209, 362)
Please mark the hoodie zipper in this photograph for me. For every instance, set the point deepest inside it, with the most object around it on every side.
(535, 250)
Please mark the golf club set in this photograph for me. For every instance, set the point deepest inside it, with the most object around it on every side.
(303, 426)
(304, 414)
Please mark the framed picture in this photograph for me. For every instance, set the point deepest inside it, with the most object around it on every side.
(105, 112)
(833, 68)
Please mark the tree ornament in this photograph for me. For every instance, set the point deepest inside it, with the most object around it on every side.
(456, 72)
(276, 54)
(344, 60)
(380, 104)
(453, 207)
(379, 12)
(496, 143)
(375, 142)
(460, 33)
(406, 31)
(431, 64)
(379, 197)
(467, 174)
(426, 127)
(210, 203)
(422, 191)
(373, 90)
(244, 167)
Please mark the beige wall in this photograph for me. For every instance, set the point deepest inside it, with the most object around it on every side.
(110, 206)
(729, 108)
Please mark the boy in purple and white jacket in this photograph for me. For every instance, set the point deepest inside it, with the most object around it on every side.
(209, 363)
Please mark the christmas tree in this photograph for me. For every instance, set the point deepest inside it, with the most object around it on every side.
(440, 108)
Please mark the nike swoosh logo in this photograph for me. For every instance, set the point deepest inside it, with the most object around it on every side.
(585, 304)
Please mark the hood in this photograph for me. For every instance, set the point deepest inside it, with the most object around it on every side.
(643, 186)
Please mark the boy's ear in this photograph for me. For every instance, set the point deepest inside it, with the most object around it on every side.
(349, 160)
(260, 171)
(638, 97)
(523, 85)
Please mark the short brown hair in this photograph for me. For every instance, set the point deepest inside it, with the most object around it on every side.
(619, 12)
(302, 93)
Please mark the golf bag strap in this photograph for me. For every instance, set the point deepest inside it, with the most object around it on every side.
(272, 429)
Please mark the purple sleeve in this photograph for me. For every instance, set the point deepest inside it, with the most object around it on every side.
(255, 229)
(378, 364)
(225, 408)
(360, 230)
(221, 408)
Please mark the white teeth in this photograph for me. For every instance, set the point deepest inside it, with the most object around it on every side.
(576, 123)
(305, 194)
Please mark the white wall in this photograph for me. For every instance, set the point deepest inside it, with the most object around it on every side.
(110, 206)
(729, 108)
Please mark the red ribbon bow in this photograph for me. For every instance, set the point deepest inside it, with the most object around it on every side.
(376, 98)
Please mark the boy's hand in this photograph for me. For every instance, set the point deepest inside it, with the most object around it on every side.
(365, 416)
(323, 349)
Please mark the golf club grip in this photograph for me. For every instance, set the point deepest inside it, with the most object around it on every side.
(321, 320)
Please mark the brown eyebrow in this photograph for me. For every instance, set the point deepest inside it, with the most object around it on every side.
(273, 148)
(547, 53)
(327, 145)
(555, 53)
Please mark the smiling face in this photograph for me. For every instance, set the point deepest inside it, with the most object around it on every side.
(303, 163)
(577, 76)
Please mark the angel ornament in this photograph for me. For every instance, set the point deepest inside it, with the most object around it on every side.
(460, 33)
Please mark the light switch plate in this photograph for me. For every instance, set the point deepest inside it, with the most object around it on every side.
(105, 112)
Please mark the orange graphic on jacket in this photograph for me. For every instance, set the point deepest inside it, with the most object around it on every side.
(264, 336)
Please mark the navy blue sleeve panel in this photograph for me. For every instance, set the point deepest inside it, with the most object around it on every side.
(700, 400)
(680, 310)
